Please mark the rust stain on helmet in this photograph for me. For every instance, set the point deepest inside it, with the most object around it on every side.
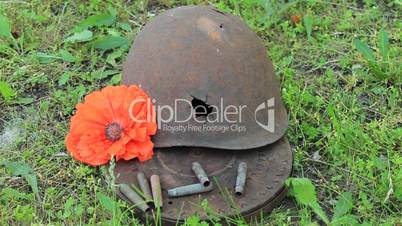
(208, 58)
(210, 28)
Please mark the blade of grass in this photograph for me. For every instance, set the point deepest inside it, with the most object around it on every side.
(308, 24)
(383, 44)
(364, 49)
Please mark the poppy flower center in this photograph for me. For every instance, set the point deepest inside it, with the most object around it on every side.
(113, 131)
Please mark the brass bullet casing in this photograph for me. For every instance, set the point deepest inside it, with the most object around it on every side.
(189, 190)
(241, 178)
(200, 173)
(156, 191)
(134, 197)
(144, 185)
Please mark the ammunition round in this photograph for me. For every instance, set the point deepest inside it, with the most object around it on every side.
(189, 190)
(200, 173)
(133, 197)
(156, 191)
(144, 185)
(241, 178)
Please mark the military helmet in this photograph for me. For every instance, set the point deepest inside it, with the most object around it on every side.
(209, 60)
(209, 65)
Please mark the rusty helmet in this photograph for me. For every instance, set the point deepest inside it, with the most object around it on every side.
(219, 71)
(210, 59)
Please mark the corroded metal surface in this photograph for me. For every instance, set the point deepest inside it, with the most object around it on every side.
(200, 54)
(268, 168)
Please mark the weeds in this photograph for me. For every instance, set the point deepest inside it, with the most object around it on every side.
(382, 68)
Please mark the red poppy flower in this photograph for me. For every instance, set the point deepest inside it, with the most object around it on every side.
(116, 121)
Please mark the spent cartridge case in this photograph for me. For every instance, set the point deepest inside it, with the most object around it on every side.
(200, 173)
(189, 190)
(156, 191)
(134, 197)
(144, 185)
(241, 178)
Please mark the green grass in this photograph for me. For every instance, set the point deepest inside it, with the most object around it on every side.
(340, 70)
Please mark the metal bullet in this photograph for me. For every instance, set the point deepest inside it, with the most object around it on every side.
(189, 190)
(156, 191)
(144, 185)
(200, 173)
(241, 178)
(134, 197)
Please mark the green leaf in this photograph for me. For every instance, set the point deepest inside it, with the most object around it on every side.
(64, 78)
(193, 220)
(96, 21)
(380, 163)
(343, 206)
(346, 220)
(303, 190)
(3, 47)
(383, 44)
(11, 193)
(70, 202)
(82, 36)
(78, 210)
(110, 42)
(24, 170)
(308, 24)
(45, 58)
(101, 74)
(24, 100)
(116, 79)
(364, 50)
(6, 91)
(111, 58)
(32, 181)
(125, 26)
(108, 203)
(5, 27)
(66, 56)
(320, 213)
